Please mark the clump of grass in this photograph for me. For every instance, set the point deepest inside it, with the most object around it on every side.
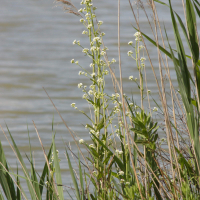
(126, 159)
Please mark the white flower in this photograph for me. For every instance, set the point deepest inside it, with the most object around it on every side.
(93, 15)
(90, 92)
(100, 23)
(80, 85)
(91, 65)
(93, 75)
(149, 91)
(76, 62)
(135, 79)
(85, 96)
(96, 39)
(93, 48)
(141, 46)
(130, 42)
(127, 183)
(91, 146)
(92, 87)
(73, 105)
(85, 50)
(130, 78)
(84, 32)
(121, 173)
(136, 106)
(103, 53)
(131, 104)
(72, 60)
(120, 152)
(155, 109)
(102, 34)
(106, 72)
(80, 72)
(117, 110)
(137, 34)
(92, 131)
(99, 80)
(130, 53)
(113, 60)
(142, 59)
(117, 94)
(117, 151)
(81, 141)
(80, 10)
(74, 42)
(89, 26)
(122, 180)
(82, 20)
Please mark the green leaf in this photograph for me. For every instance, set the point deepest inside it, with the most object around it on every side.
(3, 175)
(117, 160)
(81, 180)
(45, 171)
(57, 171)
(191, 23)
(140, 133)
(33, 173)
(73, 177)
(101, 124)
(196, 2)
(181, 55)
(25, 170)
(197, 9)
(18, 186)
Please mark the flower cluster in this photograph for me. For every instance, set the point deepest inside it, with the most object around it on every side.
(138, 36)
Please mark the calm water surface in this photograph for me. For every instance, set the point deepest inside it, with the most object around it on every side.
(35, 52)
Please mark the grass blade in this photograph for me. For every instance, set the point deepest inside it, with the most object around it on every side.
(18, 183)
(81, 180)
(45, 171)
(57, 171)
(33, 172)
(25, 170)
(4, 181)
(191, 23)
(73, 178)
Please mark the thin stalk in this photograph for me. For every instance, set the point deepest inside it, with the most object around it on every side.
(123, 106)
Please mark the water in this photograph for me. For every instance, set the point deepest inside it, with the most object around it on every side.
(35, 52)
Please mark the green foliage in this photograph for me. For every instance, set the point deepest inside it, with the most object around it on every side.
(126, 158)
